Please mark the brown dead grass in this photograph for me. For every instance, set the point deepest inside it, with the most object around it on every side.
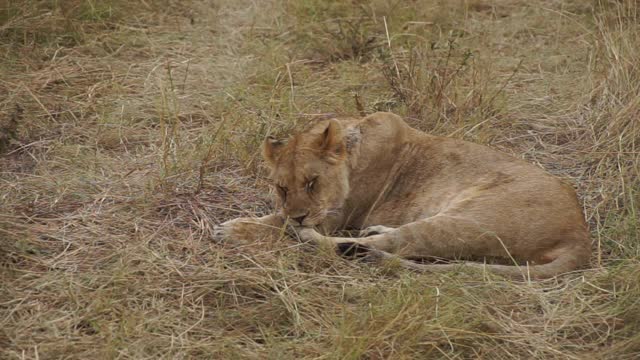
(129, 129)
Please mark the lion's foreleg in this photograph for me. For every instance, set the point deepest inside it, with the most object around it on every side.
(383, 242)
(249, 229)
(440, 236)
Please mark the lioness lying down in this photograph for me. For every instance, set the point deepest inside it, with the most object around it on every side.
(420, 196)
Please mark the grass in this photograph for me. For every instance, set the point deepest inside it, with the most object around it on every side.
(129, 129)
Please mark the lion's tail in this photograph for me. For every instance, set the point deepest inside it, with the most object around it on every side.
(566, 262)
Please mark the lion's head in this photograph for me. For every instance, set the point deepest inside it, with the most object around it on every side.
(309, 172)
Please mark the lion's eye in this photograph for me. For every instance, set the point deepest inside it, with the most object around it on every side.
(309, 187)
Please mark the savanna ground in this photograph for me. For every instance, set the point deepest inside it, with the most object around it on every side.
(128, 129)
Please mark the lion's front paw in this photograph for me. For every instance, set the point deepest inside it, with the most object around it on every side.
(241, 231)
(229, 231)
(306, 234)
(247, 230)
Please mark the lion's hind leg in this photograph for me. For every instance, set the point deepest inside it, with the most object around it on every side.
(448, 237)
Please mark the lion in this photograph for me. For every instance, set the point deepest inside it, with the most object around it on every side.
(419, 196)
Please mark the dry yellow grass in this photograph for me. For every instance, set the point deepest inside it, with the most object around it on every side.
(128, 129)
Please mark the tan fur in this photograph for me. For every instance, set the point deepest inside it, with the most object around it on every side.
(423, 196)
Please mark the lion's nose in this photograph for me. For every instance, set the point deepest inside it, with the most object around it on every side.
(300, 219)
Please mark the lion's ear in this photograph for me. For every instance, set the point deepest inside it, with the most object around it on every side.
(332, 140)
(270, 149)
